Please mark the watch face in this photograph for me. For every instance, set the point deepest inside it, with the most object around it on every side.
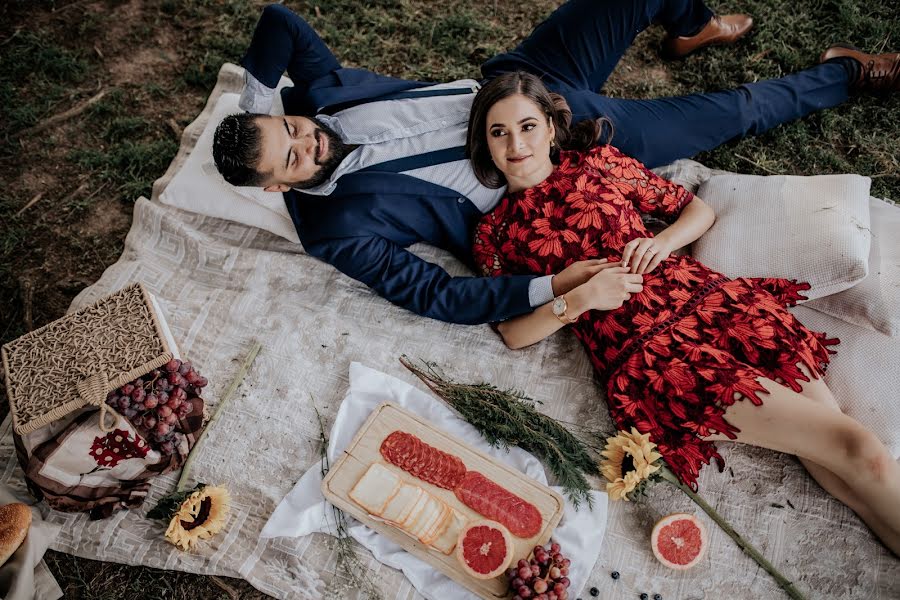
(559, 306)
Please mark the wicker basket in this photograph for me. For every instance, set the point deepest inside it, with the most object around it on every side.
(75, 361)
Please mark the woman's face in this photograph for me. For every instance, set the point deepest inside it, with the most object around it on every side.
(518, 137)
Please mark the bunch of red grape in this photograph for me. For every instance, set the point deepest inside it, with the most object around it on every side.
(544, 577)
(156, 401)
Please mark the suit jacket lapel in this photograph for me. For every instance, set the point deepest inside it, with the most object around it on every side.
(393, 205)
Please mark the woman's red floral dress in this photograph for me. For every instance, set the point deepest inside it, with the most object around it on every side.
(676, 355)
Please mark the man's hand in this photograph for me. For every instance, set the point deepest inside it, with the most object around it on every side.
(607, 290)
(578, 273)
(642, 255)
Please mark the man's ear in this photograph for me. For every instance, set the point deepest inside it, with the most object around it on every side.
(278, 187)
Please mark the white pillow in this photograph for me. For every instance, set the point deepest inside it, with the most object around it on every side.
(864, 375)
(198, 186)
(813, 229)
(874, 302)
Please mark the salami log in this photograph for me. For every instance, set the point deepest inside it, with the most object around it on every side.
(495, 502)
(472, 488)
(423, 461)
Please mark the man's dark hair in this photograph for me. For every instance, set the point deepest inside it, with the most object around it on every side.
(237, 146)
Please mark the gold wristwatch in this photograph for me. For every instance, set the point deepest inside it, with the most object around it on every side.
(559, 309)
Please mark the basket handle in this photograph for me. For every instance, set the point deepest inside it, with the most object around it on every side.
(92, 392)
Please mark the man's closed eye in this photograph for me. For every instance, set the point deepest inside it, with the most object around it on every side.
(292, 156)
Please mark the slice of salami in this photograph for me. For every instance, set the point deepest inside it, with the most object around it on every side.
(395, 448)
(423, 461)
(413, 455)
(452, 472)
(495, 502)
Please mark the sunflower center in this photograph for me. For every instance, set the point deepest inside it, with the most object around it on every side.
(205, 506)
(627, 464)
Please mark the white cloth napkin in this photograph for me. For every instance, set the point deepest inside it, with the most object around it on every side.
(304, 510)
(25, 576)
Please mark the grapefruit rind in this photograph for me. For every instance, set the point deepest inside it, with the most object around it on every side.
(659, 530)
(501, 565)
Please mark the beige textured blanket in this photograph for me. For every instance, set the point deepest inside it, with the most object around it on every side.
(223, 285)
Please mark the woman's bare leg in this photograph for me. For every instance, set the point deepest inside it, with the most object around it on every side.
(852, 463)
(820, 392)
(817, 390)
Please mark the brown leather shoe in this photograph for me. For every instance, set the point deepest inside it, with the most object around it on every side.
(877, 72)
(726, 29)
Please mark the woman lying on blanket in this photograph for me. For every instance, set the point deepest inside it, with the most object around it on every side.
(687, 355)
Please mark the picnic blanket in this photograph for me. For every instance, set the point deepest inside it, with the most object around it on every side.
(223, 285)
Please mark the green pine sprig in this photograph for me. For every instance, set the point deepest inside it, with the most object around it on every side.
(169, 504)
(509, 418)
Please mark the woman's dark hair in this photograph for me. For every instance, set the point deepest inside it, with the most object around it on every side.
(237, 148)
(581, 136)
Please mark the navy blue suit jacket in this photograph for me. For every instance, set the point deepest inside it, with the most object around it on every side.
(364, 227)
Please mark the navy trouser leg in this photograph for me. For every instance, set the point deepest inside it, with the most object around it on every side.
(579, 45)
(283, 41)
(661, 130)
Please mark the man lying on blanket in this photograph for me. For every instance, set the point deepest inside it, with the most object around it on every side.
(376, 163)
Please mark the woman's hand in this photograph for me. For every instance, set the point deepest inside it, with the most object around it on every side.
(578, 273)
(642, 255)
(607, 290)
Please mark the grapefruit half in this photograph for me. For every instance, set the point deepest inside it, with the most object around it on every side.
(679, 541)
(484, 549)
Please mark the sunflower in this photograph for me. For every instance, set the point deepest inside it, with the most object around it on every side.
(629, 459)
(200, 516)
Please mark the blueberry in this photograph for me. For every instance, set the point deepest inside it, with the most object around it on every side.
(644, 596)
(595, 592)
(615, 574)
(657, 597)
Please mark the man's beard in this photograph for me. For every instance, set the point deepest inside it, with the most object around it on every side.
(337, 152)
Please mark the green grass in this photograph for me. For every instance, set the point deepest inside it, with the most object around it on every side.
(789, 35)
(131, 166)
(35, 74)
(15, 240)
(411, 39)
(224, 40)
(94, 580)
(125, 150)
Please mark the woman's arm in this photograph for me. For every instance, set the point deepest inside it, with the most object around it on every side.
(606, 290)
(531, 328)
(642, 255)
(695, 220)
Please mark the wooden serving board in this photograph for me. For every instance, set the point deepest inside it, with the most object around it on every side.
(364, 450)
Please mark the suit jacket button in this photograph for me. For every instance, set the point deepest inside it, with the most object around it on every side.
(460, 200)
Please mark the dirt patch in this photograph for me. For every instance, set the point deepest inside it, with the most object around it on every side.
(36, 180)
(135, 67)
(632, 75)
(150, 52)
(105, 218)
